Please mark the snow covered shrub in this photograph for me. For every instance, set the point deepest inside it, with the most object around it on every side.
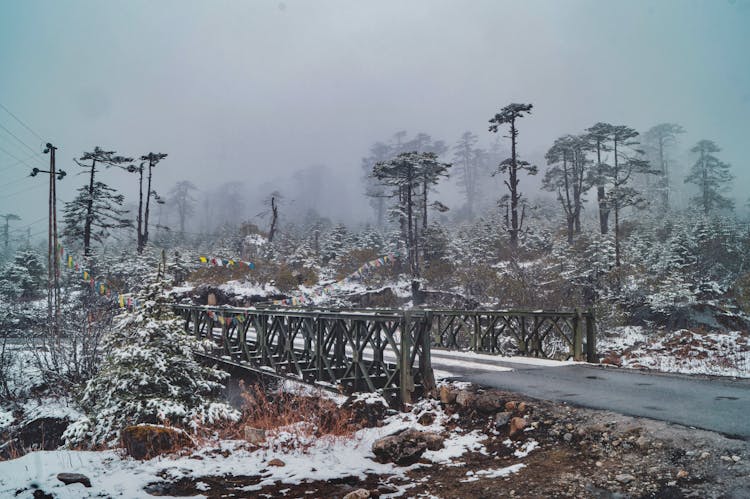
(150, 375)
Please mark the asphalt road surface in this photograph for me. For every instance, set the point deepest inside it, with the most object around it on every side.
(709, 403)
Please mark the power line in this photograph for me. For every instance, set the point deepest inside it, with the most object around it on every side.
(27, 127)
(19, 140)
(24, 227)
(37, 186)
(8, 184)
(18, 161)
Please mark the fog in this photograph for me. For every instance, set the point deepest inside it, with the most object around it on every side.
(246, 95)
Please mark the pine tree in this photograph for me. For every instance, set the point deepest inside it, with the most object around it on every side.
(96, 205)
(659, 138)
(96, 209)
(567, 177)
(513, 165)
(711, 176)
(183, 201)
(599, 135)
(466, 158)
(149, 375)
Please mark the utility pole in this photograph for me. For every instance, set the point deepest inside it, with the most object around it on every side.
(8, 217)
(53, 258)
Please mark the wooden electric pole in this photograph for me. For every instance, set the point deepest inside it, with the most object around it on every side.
(53, 255)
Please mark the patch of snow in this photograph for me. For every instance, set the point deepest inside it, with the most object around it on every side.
(6, 418)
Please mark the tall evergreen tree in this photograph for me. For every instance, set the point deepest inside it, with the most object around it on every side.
(465, 156)
(711, 176)
(513, 166)
(152, 158)
(599, 136)
(374, 189)
(96, 204)
(659, 138)
(91, 215)
(183, 201)
(567, 177)
(628, 161)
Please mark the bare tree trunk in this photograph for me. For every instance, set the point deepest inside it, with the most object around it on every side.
(600, 194)
(89, 213)
(140, 209)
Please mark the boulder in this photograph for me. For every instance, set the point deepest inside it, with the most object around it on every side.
(145, 441)
(406, 447)
(516, 425)
(447, 395)
(370, 410)
(358, 494)
(426, 418)
(465, 398)
(255, 436)
(42, 433)
(68, 478)
(489, 402)
(276, 462)
(501, 419)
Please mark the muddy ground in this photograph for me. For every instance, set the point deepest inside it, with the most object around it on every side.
(582, 453)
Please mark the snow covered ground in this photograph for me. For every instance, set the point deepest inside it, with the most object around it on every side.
(113, 474)
(682, 351)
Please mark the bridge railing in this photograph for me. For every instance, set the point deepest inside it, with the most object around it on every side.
(348, 350)
(537, 333)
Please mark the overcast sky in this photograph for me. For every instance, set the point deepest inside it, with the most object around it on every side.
(252, 91)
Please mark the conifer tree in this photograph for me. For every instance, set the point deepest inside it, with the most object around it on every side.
(513, 165)
(711, 176)
(149, 375)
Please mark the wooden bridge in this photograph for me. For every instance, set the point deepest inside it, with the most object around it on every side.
(379, 350)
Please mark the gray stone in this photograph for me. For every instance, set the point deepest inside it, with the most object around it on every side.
(502, 419)
(358, 494)
(624, 478)
(68, 478)
(406, 447)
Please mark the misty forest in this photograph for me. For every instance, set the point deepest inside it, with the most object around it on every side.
(345, 322)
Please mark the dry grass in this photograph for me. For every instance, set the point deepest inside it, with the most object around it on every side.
(290, 420)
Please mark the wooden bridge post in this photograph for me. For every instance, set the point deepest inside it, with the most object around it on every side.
(406, 382)
(577, 336)
(425, 358)
(196, 323)
(591, 337)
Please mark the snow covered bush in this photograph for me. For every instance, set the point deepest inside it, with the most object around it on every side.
(149, 375)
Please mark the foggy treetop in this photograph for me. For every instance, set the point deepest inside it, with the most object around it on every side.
(281, 95)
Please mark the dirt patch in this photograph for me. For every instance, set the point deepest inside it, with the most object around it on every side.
(562, 452)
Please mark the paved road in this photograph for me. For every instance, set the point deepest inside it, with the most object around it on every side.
(717, 404)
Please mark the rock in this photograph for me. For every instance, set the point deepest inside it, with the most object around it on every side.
(145, 441)
(489, 402)
(211, 300)
(369, 410)
(516, 425)
(406, 447)
(255, 436)
(426, 419)
(642, 442)
(68, 478)
(501, 419)
(511, 406)
(736, 459)
(522, 407)
(704, 455)
(465, 398)
(42, 433)
(624, 478)
(568, 437)
(682, 474)
(447, 395)
(358, 494)
(276, 462)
